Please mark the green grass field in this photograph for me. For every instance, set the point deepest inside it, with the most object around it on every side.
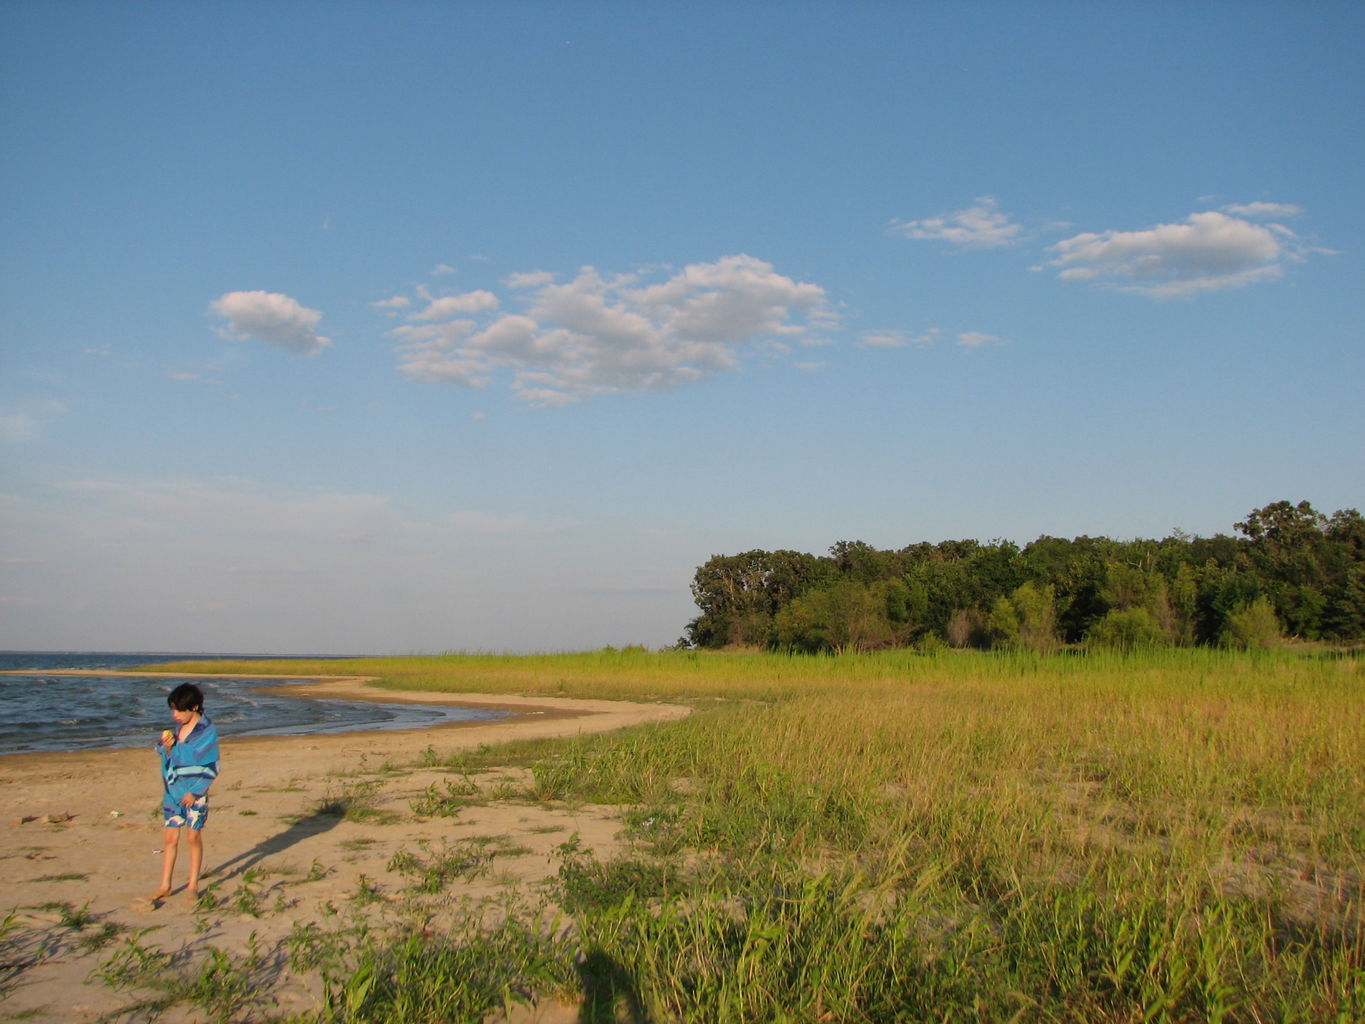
(1170, 836)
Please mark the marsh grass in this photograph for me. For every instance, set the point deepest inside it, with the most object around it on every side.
(584, 883)
(1162, 836)
(461, 977)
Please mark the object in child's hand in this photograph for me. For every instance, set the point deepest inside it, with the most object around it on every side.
(167, 737)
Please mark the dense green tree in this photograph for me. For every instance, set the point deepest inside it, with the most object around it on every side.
(1282, 528)
(861, 562)
(1026, 618)
(1309, 568)
(739, 594)
(845, 617)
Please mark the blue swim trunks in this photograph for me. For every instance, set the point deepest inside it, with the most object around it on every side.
(177, 815)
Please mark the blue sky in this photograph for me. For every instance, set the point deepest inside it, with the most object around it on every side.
(386, 328)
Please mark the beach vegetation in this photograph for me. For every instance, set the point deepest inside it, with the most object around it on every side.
(92, 931)
(69, 915)
(441, 867)
(91, 941)
(223, 987)
(584, 882)
(1113, 832)
(461, 977)
(446, 801)
(367, 892)
(11, 959)
(355, 802)
(249, 895)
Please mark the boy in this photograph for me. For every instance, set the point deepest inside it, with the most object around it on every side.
(189, 764)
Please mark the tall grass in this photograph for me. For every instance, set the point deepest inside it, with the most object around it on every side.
(1166, 836)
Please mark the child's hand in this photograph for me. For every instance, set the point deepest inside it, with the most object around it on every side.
(188, 799)
(168, 739)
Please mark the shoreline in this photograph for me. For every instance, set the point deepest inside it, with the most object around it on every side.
(527, 718)
(353, 689)
(82, 829)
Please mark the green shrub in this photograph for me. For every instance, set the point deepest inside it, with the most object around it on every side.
(1253, 625)
(1128, 629)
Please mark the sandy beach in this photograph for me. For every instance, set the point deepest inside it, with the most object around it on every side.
(81, 832)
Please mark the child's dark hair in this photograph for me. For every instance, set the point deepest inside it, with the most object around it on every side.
(186, 697)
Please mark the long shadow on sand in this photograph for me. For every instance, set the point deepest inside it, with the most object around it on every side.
(314, 824)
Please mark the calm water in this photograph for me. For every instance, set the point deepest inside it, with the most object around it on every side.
(41, 711)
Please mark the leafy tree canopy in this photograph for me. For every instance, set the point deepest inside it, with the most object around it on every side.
(1291, 570)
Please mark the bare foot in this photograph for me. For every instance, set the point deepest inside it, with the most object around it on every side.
(160, 894)
(192, 897)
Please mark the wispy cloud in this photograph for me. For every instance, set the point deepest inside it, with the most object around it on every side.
(1263, 211)
(898, 339)
(981, 226)
(600, 334)
(1211, 251)
(977, 339)
(26, 421)
(251, 509)
(529, 279)
(273, 318)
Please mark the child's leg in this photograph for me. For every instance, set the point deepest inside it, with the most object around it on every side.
(169, 846)
(196, 841)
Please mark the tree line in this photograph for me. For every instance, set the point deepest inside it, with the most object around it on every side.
(1289, 572)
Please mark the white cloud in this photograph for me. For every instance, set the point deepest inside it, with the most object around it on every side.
(240, 506)
(1211, 251)
(600, 335)
(981, 226)
(434, 352)
(1263, 211)
(26, 422)
(898, 339)
(443, 268)
(397, 302)
(529, 279)
(273, 318)
(452, 305)
(976, 339)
